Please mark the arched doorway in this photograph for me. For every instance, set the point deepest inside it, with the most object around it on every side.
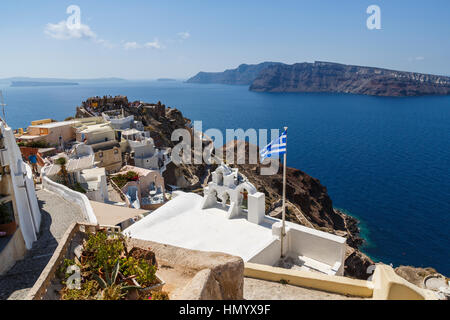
(243, 199)
(220, 178)
(226, 201)
(216, 196)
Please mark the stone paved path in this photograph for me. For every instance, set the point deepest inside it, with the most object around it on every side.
(255, 289)
(57, 216)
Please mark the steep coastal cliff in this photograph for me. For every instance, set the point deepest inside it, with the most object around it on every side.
(330, 77)
(242, 75)
(333, 77)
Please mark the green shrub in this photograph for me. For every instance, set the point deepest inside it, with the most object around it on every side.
(145, 273)
(37, 144)
(6, 214)
(77, 187)
(159, 295)
(105, 250)
(88, 291)
(122, 179)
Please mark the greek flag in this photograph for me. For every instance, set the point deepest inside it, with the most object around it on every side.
(277, 146)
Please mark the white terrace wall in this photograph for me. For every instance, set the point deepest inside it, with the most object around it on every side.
(269, 254)
(302, 241)
(72, 196)
(317, 245)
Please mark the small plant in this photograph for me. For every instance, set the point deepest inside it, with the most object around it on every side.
(62, 270)
(158, 295)
(145, 273)
(108, 271)
(111, 290)
(37, 144)
(105, 250)
(6, 215)
(88, 291)
(77, 187)
(63, 172)
(122, 179)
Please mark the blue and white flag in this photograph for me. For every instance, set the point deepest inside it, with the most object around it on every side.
(277, 146)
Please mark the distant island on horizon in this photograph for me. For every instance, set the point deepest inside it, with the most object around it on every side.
(41, 81)
(41, 84)
(328, 77)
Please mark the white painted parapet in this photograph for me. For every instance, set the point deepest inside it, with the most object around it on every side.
(257, 207)
(72, 196)
(320, 246)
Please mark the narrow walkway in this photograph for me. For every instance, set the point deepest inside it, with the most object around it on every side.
(57, 216)
(256, 289)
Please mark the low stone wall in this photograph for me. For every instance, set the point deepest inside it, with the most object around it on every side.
(386, 285)
(122, 195)
(312, 280)
(390, 286)
(188, 274)
(209, 275)
(72, 196)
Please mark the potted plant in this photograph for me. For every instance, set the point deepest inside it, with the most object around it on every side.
(110, 272)
(7, 223)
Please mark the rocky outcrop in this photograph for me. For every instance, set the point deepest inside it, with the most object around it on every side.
(329, 77)
(202, 287)
(357, 264)
(416, 275)
(309, 204)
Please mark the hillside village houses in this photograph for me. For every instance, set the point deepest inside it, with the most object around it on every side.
(93, 148)
(147, 191)
(55, 134)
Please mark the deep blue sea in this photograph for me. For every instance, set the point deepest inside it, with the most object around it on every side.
(385, 161)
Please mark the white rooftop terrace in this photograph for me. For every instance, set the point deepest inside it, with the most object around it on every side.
(182, 222)
(56, 124)
(101, 127)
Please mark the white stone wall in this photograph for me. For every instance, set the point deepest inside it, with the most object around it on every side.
(22, 186)
(317, 245)
(72, 196)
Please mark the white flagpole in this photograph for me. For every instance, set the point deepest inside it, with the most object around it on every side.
(283, 230)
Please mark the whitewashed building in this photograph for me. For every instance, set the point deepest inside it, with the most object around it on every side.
(145, 154)
(18, 199)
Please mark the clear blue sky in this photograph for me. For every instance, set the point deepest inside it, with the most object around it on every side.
(150, 39)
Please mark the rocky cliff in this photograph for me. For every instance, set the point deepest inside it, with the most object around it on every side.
(308, 204)
(333, 77)
(329, 77)
(242, 75)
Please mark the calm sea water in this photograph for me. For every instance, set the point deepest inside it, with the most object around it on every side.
(384, 160)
